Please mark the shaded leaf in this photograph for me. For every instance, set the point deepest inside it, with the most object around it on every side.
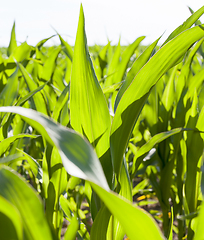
(19, 193)
(11, 223)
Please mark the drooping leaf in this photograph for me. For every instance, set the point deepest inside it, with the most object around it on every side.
(4, 144)
(66, 48)
(149, 145)
(24, 99)
(40, 44)
(11, 158)
(77, 155)
(132, 219)
(34, 165)
(187, 24)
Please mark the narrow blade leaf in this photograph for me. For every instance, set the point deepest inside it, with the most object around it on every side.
(135, 96)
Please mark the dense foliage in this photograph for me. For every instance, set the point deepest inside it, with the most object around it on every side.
(93, 137)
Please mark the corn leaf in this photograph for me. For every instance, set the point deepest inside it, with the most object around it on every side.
(63, 98)
(34, 165)
(135, 96)
(57, 185)
(186, 71)
(13, 44)
(67, 49)
(77, 155)
(24, 99)
(132, 219)
(195, 146)
(88, 108)
(172, 222)
(99, 229)
(5, 143)
(9, 93)
(18, 193)
(20, 53)
(169, 92)
(40, 44)
(50, 64)
(112, 66)
(149, 145)
(72, 229)
(137, 65)
(11, 223)
(100, 62)
(196, 82)
(124, 190)
(187, 24)
(11, 158)
(199, 231)
(38, 97)
(125, 58)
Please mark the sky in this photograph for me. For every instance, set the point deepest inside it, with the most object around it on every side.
(104, 20)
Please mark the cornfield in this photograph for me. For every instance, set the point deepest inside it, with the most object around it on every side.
(104, 142)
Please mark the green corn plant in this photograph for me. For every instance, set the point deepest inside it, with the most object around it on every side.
(57, 132)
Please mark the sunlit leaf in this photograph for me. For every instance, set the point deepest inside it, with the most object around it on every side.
(88, 107)
(13, 43)
(132, 219)
(137, 65)
(135, 96)
(187, 24)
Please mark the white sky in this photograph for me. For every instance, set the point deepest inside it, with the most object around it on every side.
(105, 19)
